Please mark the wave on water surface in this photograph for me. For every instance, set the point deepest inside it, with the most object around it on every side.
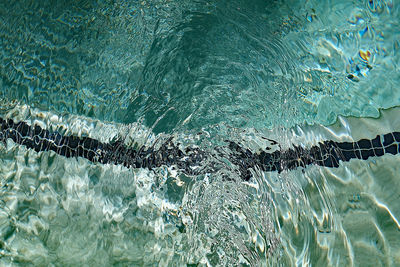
(205, 196)
(199, 133)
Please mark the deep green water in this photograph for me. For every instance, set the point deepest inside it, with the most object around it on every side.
(236, 70)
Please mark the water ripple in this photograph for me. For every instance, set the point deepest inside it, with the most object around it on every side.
(199, 72)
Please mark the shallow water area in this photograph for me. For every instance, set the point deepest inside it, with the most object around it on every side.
(194, 112)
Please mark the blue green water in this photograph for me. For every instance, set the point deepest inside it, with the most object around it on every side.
(239, 62)
(225, 69)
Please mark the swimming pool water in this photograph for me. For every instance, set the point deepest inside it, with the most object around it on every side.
(267, 75)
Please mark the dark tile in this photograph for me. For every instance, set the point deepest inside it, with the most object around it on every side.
(348, 154)
(73, 142)
(376, 142)
(392, 149)
(396, 136)
(388, 139)
(364, 144)
(366, 153)
(379, 152)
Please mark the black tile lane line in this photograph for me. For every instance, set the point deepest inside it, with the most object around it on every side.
(327, 153)
(38, 139)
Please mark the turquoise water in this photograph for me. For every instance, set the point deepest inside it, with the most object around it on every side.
(201, 72)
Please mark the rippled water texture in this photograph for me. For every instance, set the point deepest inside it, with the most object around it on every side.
(200, 73)
(199, 62)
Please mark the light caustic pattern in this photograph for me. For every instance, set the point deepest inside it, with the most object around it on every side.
(184, 207)
(183, 93)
